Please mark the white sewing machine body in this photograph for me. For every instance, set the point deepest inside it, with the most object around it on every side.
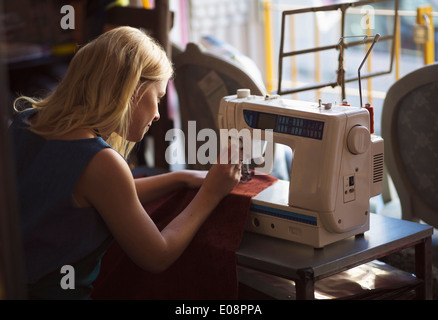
(337, 167)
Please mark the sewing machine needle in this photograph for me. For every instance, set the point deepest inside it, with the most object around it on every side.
(246, 173)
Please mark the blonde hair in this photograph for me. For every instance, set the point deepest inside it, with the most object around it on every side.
(98, 88)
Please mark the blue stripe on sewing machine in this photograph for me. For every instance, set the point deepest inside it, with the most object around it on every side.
(298, 217)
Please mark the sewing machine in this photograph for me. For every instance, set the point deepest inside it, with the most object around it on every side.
(337, 167)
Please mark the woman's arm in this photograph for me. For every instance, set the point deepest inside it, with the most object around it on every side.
(150, 188)
(108, 185)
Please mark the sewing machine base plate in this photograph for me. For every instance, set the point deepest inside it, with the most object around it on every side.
(271, 215)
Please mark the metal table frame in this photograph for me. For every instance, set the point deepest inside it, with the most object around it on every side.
(306, 265)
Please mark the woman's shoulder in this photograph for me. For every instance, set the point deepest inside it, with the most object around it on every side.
(108, 157)
(107, 164)
(106, 178)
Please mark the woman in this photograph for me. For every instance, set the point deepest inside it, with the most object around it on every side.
(75, 188)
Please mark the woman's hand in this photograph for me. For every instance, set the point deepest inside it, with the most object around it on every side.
(221, 179)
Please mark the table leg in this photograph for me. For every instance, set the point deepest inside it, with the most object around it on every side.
(423, 268)
(305, 286)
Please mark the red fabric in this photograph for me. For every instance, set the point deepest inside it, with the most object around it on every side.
(206, 270)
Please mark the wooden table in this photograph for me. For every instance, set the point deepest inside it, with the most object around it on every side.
(305, 265)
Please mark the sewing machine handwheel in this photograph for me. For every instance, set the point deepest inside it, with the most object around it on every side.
(358, 139)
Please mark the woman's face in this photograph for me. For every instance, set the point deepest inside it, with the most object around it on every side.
(145, 110)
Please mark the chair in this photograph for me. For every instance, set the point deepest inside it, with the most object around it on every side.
(201, 80)
(410, 128)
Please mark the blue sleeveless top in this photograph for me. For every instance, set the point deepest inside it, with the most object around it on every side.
(55, 232)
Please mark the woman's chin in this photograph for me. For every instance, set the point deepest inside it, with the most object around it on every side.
(136, 138)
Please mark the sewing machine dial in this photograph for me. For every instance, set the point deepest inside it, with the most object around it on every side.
(358, 140)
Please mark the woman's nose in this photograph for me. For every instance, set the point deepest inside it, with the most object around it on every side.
(157, 116)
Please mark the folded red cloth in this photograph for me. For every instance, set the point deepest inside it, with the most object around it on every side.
(207, 268)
